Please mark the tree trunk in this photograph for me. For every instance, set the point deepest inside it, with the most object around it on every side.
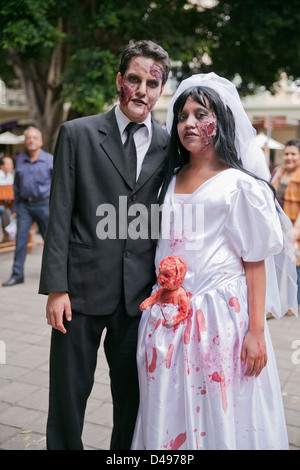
(52, 115)
(42, 85)
(42, 91)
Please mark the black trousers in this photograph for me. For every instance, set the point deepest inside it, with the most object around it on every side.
(73, 359)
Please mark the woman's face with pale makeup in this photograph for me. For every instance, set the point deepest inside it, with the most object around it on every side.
(197, 126)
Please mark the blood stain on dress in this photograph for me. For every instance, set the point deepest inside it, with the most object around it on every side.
(216, 340)
(201, 323)
(187, 330)
(178, 441)
(187, 363)
(152, 366)
(220, 378)
(169, 356)
(174, 242)
(234, 302)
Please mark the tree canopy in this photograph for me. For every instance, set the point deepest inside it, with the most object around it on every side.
(68, 50)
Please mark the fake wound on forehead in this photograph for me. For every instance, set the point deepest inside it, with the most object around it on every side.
(156, 71)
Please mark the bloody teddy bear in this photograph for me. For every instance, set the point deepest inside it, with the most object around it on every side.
(172, 270)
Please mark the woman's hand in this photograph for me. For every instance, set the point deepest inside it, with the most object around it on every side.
(254, 353)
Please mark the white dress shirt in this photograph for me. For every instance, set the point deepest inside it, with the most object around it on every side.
(142, 137)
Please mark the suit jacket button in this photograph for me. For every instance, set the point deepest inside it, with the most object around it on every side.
(127, 254)
(133, 197)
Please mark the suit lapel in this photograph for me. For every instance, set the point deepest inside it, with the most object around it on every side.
(111, 143)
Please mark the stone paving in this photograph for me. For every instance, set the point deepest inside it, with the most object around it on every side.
(24, 353)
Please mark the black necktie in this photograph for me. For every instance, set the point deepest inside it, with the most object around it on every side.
(130, 149)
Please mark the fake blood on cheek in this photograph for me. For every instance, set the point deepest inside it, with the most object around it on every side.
(207, 128)
(127, 91)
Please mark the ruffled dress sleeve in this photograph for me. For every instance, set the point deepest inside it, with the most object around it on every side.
(258, 229)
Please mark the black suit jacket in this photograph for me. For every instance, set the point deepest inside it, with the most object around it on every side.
(90, 171)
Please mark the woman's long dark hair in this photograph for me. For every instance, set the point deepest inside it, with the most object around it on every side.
(177, 155)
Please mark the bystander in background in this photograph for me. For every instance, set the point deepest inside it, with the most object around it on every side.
(31, 190)
(286, 180)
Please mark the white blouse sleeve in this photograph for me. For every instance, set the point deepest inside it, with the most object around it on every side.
(259, 230)
(253, 225)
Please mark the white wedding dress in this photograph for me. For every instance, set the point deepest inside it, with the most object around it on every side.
(193, 392)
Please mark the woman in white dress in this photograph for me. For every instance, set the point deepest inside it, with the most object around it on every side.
(211, 382)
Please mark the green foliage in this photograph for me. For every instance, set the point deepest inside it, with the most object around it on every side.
(90, 80)
(256, 39)
(27, 28)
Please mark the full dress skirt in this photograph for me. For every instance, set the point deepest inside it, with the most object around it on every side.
(193, 391)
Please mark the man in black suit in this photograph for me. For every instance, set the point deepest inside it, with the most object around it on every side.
(96, 267)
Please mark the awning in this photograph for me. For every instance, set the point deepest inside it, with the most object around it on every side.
(8, 138)
(262, 139)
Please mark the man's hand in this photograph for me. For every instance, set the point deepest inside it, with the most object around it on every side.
(58, 305)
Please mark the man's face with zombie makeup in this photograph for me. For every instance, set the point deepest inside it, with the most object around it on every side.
(197, 126)
(140, 87)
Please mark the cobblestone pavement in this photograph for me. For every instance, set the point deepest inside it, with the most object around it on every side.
(24, 353)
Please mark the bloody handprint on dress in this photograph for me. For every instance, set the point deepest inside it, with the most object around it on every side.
(172, 271)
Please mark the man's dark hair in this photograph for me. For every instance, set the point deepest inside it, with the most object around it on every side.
(145, 49)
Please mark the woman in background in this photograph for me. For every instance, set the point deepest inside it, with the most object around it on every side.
(286, 181)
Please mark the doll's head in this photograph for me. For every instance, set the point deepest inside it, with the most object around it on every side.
(172, 270)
